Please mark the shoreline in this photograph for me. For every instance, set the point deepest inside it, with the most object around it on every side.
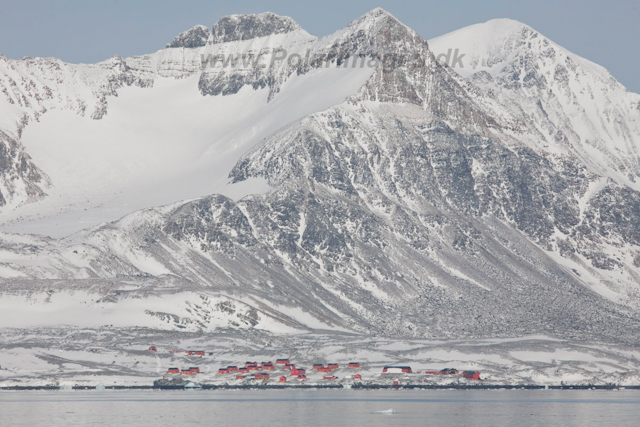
(332, 386)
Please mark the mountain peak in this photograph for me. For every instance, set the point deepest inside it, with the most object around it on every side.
(377, 29)
(246, 27)
(382, 28)
(375, 18)
(496, 34)
(506, 25)
(193, 37)
(377, 13)
(488, 45)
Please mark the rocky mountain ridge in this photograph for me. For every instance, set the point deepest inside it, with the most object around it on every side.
(427, 204)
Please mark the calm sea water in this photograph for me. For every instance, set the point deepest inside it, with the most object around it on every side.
(321, 407)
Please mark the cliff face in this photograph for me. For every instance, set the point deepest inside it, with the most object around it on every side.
(20, 180)
(192, 38)
(247, 27)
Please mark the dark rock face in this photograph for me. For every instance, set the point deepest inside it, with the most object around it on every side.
(230, 82)
(412, 270)
(245, 27)
(212, 221)
(121, 75)
(194, 37)
(19, 177)
(170, 382)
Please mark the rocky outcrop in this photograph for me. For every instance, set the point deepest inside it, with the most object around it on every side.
(192, 38)
(246, 27)
(20, 180)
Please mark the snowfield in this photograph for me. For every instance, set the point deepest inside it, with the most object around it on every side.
(147, 152)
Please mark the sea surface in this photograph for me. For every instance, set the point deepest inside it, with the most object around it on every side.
(321, 408)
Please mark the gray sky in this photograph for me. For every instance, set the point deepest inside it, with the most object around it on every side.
(605, 32)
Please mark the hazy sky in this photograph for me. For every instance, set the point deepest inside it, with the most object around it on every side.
(605, 32)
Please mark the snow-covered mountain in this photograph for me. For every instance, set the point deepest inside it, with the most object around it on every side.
(362, 187)
(572, 106)
(139, 132)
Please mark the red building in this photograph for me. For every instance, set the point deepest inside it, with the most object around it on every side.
(283, 379)
(223, 371)
(282, 362)
(317, 366)
(357, 377)
(187, 372)
(323, 369)
(195, 370)
(471, 375)
(289, 366)
(302, 377)
(267, 366)
(232, 368)
(243, 370)
(449, 371)
(333, 366)
(195, 353)
(354, 365)
(239, 377)
(251, 364)
(261, 376)
(296, 372)
(329, 377)
(153, 348)
(173, 371)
